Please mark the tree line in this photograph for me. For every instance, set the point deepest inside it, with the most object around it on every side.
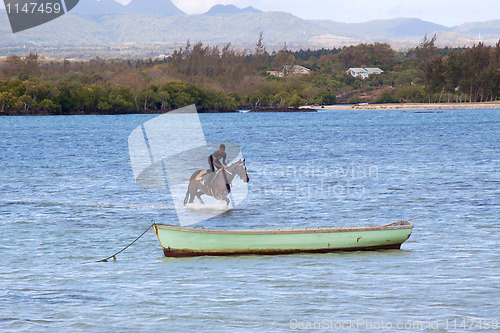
(33, 96)
(473, 74)
(221, 78)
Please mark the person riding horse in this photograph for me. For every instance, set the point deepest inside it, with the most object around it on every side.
(214, 159)
(215, 184)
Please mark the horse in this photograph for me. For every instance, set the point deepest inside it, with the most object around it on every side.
(215, 184)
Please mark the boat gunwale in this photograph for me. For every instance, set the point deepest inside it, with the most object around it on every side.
(391, 226)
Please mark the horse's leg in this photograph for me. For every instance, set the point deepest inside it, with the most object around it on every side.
(189, 195)
(198, 195)
(227, 200)
(192, 192)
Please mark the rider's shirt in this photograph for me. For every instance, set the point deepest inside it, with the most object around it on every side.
(217, 156)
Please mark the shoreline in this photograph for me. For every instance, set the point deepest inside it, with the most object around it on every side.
(308, 108)
(409, 106)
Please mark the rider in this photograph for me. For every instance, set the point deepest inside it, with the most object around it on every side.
(214, 159)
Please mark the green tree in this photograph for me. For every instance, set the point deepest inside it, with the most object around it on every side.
(49, 106)
(282, 60)
(410, 94)
(146, 99)
(326, 97)
(368, 55)
(7, 101)
(426, 51)
(68, 97)
(453, 73)
(476, 62)
(385, 97)
(38, 90)
(435, 77)
(89, 97)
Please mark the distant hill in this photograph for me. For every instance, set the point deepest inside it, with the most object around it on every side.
(484, 28)
(230, 10)
(399, 28)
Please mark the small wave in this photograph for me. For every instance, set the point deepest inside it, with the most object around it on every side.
(212, 206)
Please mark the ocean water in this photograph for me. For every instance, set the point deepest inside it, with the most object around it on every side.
(68, 198)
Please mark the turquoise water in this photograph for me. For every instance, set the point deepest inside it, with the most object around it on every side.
(68, 199)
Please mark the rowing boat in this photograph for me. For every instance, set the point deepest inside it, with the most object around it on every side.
(184, 242)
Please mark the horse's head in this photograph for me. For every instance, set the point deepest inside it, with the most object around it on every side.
(241, 170)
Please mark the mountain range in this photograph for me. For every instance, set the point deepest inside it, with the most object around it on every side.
(151, 7)
(107, 22)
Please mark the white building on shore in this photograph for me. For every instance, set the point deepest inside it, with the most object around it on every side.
(364, 72)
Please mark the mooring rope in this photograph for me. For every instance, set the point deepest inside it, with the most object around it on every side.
(414, 218)
(135, 240)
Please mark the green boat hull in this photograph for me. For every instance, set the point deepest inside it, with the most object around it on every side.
(184, 242)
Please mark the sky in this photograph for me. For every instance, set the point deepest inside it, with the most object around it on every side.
(446, 12)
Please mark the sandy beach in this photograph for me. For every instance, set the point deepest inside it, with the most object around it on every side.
(409, 106)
